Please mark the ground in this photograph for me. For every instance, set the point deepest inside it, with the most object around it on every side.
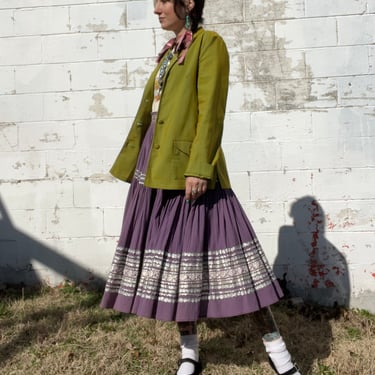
(63, 330)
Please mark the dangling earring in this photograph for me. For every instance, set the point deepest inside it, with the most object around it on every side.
(187, 22)
(185, 40)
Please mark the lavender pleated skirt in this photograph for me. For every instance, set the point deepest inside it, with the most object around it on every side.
(180, 262)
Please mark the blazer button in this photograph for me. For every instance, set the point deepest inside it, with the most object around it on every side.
(161, 122)
(139, 123)
(157, 147)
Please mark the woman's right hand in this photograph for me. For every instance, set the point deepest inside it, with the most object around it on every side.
(194, 188)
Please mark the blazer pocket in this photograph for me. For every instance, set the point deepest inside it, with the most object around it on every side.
(181, 152)
(181, 149)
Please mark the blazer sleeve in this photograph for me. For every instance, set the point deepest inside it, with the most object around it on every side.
(212, 90)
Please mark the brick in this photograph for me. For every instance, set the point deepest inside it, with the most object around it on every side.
(98, 192)
(113, 221)
(241, 186)
(91, 254)
(299, 94)
(74, 222)
(274, 65)
(249, 97)
(227, 12)
(46, 136)
(316, 8)
(356, 30)
(371, 50)
(31, 223)
(371, 6)
(101, 133)
(332, 153)
(79, 164)
(255, 36)
(344, 183)
(250, 156)
(269, 243)
(97, 17)
(107, 75)
(37, 195)
(280, 186)
(16, 108)
(306, 33)
(50, 20)
(362, 286)
(357, 91)
(265, 217)
(70, 48)
(8, 136)
(91, 104)
(118, 45)
(273, 9)
(237, 68)
(7, 23)
(42, 78)
(236, 127)
(344, 123)
(21, 51)
(139, 71)
(7, 80)
(22, 165)
(356, 246)
(339, 61)
(281, 126)
(350, 216)
(5, 4)
(140, 15)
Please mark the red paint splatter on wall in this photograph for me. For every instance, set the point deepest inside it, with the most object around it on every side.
(373, 274)
(329, 284)
(336, 270)
(330, 223)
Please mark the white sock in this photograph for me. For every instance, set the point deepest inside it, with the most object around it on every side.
(189, 349)
(279, 355)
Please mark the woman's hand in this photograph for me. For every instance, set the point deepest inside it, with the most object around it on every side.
(194, 188)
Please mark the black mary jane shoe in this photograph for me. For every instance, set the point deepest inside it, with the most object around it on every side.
(292, 371)
(197, 365)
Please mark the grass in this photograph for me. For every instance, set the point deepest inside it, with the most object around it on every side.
(55, 331)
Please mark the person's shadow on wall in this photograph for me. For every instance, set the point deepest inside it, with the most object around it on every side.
(315, 279)
(314, 274)
(309, 266)
(22, 257)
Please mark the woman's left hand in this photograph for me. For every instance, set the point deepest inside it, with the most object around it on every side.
(194, 188)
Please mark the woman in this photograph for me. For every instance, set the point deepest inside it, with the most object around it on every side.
(186, 249)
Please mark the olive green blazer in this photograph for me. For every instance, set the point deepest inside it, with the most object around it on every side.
(189, 124)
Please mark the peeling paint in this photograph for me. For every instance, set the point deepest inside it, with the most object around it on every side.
(50, 138)
(5, 125)
(99, 178)
(123, 76)
(97, 26)
(56, 219)
(98, 107)
(8, 131)
(123, 18)
(18, 165)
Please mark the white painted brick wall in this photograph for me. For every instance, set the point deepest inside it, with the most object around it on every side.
(300, 125)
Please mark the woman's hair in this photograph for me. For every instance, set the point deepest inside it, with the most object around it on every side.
(196, 14)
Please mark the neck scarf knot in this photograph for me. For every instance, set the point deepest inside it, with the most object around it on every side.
(181, 45)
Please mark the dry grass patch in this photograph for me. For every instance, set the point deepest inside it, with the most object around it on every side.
(63, 331)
